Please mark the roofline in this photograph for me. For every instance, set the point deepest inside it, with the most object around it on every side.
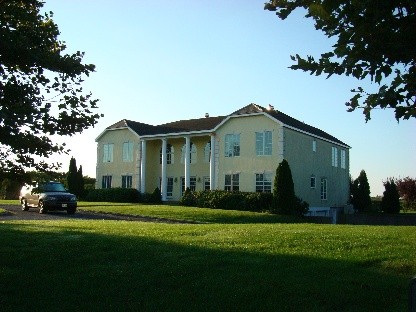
(113, 129)
(176, 134)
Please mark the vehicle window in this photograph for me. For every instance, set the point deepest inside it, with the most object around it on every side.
(52, 187)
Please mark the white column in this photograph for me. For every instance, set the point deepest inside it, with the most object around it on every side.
(212, 164)
(187, 161)
(143, 168)
(163, 185)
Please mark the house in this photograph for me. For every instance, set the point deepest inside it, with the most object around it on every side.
(240, 151)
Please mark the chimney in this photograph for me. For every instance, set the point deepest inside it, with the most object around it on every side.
(271, 107)
(206, 115)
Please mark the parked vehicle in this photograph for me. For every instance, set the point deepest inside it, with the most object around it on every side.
(47, 196)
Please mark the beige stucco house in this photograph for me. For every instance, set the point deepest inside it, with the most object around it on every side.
(240, 151)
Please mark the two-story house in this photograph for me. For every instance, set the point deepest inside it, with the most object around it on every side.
(240, 151)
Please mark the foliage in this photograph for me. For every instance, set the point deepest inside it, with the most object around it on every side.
(360, 193)
(75, 179)
(217, 199)
(391, 199)
(407, 190)
(40, 88)
(284, 198)
(156, 196)
(375, 39)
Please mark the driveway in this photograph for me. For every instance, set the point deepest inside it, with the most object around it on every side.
(15, 212)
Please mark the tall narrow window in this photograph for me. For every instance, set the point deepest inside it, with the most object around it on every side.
(128, 151)
(169, 154)
(314, 145)
(343, 159)
(334, 156)
(232, 145)
(207, 184)
(192, 153)
(324, 190)
(232, 182)
(313, 181)
(192, 184)
(108, 152)
(264, 182)
(207, 152)
(106, 182)
(169, 187)
(263, 143)
(126, 181)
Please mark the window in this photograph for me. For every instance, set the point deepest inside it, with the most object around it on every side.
(232, 145)
(334, 156)
(324, 190)
(169, 154)
(192, 184)
(128, 151)
(264, 182)
(192, 153)
(314, 145)
(126, 181)
(108, 152)
(207, 184)
(313, 181)
(263, 143)
(343, 159)
(232, 182)
(169, 187)
(207, 152)
(106, 182)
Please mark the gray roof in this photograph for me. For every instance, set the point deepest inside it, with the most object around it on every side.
(210, 123)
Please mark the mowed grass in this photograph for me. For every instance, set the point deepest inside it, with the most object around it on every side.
(82, 265)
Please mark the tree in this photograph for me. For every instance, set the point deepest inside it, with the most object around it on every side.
(75, 179)
(407, 190)
(40, 88)
(375, 39)
(391, 199)
(284, 198)
(360, 193)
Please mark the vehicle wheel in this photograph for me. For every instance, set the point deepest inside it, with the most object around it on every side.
(25, 207)
(70, 210)
(42, 209)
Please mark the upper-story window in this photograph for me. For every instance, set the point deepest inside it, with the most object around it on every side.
(108, 152)
(334, 156)
(169, 154)
(192, 154)
(343, 159)
(263, 143)
(128, 151)
(314, 145)
(207, 152)
(232, 145)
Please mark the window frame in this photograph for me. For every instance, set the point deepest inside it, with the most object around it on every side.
(232, 145)
(324, 189)
(263, 185)
(334, 156)
(343, 159)
(106, 181)
(234, 185)
(170, 153)
(126, 181)
(264, 143)
(108, 152)
(313, 182)
(127, 151)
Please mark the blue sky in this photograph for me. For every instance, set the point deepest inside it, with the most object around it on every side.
(161, 61)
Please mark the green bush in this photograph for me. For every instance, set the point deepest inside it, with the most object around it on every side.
(216, 199)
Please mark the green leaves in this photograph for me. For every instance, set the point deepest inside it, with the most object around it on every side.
(40, 87)
(375, 38)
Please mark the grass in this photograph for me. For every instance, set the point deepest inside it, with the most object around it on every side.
(249, 266)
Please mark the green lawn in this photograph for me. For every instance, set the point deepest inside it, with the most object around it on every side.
(82, 265)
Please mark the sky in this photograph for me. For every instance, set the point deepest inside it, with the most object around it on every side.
(162, 61)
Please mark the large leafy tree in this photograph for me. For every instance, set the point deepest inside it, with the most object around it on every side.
(40, 88)
(407, 190)
(375, 39)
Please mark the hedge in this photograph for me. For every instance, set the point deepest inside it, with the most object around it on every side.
(123, 195)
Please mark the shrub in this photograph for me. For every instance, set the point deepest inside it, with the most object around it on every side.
(119, 195)
(391, 198)
(156, 196)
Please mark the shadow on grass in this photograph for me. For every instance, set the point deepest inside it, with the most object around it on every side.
(64, 268)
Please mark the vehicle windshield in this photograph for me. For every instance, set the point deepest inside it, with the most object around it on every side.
(52, 187)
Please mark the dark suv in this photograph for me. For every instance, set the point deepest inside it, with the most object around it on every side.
(47, 196)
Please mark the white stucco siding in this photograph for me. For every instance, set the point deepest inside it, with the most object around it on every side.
(117, 168)
(248, 163)
(306, 163)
